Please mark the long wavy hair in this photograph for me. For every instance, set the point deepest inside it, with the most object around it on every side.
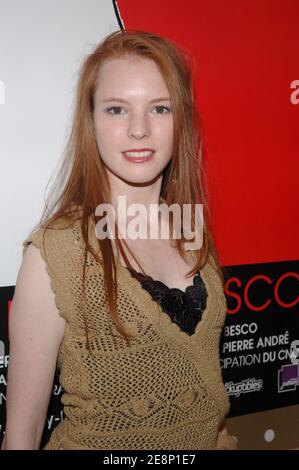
(82, 167)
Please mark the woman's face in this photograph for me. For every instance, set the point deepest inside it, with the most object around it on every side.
(132, 110)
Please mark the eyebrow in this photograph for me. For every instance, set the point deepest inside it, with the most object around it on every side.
(124, 101)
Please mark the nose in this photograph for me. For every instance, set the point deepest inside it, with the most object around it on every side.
(138, 125)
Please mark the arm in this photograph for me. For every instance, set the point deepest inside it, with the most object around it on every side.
(36, 331)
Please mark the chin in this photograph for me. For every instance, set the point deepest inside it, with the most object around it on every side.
(138, 176)
(140, 180)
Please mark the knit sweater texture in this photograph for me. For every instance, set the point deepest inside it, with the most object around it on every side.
(162, 390)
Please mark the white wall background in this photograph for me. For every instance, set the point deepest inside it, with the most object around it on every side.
(42, 45)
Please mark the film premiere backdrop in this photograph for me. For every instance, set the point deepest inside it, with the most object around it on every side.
(247, 85)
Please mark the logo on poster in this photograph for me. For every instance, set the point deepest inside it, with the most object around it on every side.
(246, 386)
(288, 375)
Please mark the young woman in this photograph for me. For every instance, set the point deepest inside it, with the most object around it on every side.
(133, 324)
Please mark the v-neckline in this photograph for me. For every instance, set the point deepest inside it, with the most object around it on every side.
(153, 310)
(144, 299)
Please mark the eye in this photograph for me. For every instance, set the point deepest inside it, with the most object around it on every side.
(162, 108)
(117, 108)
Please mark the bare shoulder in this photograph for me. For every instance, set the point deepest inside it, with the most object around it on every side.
(34, 292)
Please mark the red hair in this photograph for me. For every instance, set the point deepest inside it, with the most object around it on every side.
(82, 168)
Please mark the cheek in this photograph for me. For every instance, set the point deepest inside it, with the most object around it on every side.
(166, 137)
(108, 135)
(165, 130)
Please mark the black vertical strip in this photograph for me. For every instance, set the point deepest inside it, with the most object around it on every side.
(118, 17)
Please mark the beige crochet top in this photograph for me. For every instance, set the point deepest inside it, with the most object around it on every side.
(163, 390)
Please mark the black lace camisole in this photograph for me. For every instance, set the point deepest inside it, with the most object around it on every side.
(185, 308)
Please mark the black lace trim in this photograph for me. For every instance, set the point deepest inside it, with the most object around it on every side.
(185, 308)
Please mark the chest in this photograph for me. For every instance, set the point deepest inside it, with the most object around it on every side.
(162, 261)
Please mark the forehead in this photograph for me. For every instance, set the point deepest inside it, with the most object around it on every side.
(130, 77)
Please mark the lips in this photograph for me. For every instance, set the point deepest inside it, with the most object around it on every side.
(145, 153)
(139, 150)
(142, 153)
(139, 156)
